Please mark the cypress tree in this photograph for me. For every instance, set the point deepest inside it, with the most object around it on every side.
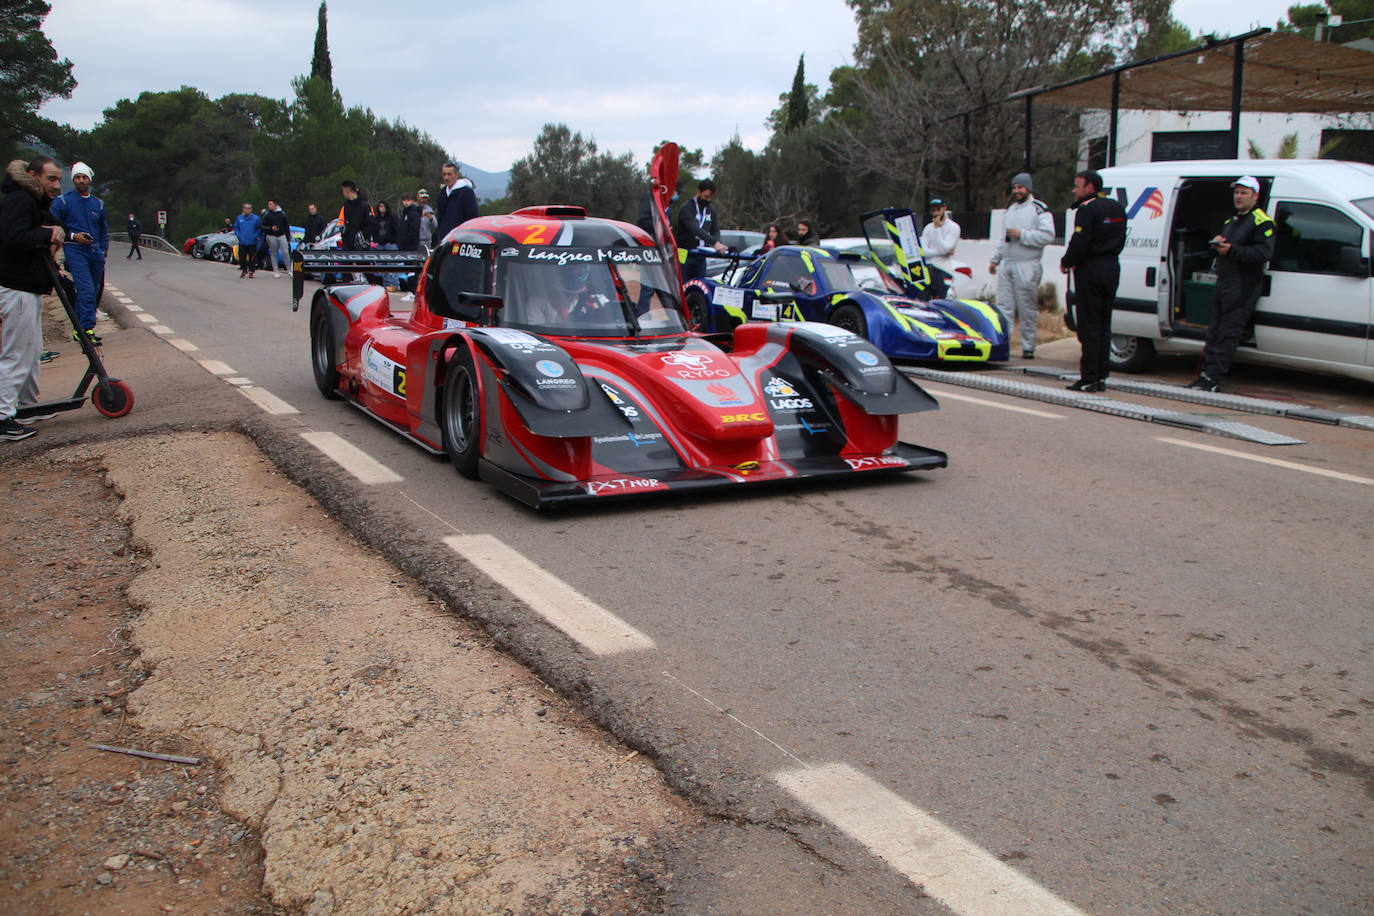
(321, 65)
(798, 111)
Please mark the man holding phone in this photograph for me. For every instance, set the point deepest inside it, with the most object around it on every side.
(1242, 248)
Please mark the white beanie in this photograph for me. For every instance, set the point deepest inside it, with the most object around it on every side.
(81, 168)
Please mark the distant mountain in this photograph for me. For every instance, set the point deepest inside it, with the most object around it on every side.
(488, 185)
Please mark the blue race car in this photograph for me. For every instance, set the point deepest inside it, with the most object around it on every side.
(856, 292)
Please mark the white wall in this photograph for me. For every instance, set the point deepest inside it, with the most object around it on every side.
(1135, 129)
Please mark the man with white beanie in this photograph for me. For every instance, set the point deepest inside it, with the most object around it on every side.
(1029, 227)
(82, 215)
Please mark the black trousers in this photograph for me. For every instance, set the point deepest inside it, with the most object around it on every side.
(1094, 297)
(1233, 303)
(133, 248)
(248, 257)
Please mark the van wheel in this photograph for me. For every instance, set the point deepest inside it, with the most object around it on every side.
(1131, 354)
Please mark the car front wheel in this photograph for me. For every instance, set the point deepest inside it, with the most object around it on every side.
(1131, 354)
(460, 414)
(850, 317)
(220, 252)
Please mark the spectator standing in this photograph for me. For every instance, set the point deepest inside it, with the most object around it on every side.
(698, 227)
(428, 221)
(772, 238)
(805, 234)
(314, 224)
(356, 217)
(1244, 245)
(457, 202)
(82, 215)
(941, 234)
(277, 228)
(135, 230)
(1099, 234)
(408, 237)
(1029, 227)
(248, 229)
(385, 235)
(29, 238)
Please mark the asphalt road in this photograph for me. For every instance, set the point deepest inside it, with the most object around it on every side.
(1089, 665)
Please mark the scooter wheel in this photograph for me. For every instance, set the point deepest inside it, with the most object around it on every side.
(114, 398)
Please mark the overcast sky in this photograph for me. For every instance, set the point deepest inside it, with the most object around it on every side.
(483, 81)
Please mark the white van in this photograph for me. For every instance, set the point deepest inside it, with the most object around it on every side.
(1317, 304)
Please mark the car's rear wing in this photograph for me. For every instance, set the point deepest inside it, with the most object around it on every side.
(336, 261)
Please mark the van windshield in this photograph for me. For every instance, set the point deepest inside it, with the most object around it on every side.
(1366, 204)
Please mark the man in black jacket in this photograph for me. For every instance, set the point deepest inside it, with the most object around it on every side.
(277, 230)
(135, 230)
(1099, 234)
(457, 202)
(698, 227)
(356, 215)
(314, 224)
(1244, 245)
(29, 238)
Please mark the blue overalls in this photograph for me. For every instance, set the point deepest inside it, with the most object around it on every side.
(86, 263)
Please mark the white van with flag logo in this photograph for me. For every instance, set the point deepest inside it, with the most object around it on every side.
(1317, 304)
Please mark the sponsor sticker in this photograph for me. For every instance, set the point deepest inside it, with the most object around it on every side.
(694, 365)
(386, 374)
(743, 418)
(779, 388)
(875, 462)
(867, 357)
(725, 395)
(791, 403)
(549, 368)
(621, 485)
(906, 234)
(765, 311)
(728, 297)
(516, 340)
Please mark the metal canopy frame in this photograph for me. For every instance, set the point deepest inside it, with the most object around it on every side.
(1263, 69)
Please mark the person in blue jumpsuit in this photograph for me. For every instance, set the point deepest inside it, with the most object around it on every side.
(82, 215)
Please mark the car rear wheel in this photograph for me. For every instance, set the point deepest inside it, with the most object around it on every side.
(322, 350)
(1131, 354)
(850, 317)
(460, 414)
(699, 310)
(220, 252)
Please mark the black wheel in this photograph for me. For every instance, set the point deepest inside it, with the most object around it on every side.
(460, 413)
(850, 317)
(698, 310)
(1131, 354)
(322, 349)
(220, 252)
(113, 398)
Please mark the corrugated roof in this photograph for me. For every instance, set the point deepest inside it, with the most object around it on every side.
(1283, 72)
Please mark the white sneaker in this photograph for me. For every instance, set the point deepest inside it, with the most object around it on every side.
(275, 274)
(408, 297)
(101, 316)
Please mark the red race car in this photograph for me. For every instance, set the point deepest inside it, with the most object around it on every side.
(548, 353)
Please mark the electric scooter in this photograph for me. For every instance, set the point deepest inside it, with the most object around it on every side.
(111, 396)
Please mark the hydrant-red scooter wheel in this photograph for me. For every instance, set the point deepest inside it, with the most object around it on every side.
(113, 399)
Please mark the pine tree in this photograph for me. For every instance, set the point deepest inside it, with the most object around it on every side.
(321, 65)
(798, 111)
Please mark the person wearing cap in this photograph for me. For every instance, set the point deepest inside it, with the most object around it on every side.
(1242, 248)
(1099, 234)
(941, 234)
(1029, 227)
(428, 223)
(82, 215)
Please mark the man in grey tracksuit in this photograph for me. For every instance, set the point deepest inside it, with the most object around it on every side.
(1028, 228)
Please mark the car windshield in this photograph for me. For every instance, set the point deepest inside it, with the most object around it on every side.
(589, 292)
(838, 275)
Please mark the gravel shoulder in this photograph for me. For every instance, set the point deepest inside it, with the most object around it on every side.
(365, 750)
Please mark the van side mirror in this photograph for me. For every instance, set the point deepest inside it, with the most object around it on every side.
(1351, 262)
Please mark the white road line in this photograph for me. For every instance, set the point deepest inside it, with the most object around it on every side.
(148, 319)
(553, 599)
(215, 367)
(239, 381)
(185, 346)
(1277, 462)
(986, 403)
(351, 458)
(955, 871)
(268, 401)
(124, 299)
(162, 330)
(134, 308)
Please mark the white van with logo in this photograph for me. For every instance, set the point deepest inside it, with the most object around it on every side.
(1317, 304)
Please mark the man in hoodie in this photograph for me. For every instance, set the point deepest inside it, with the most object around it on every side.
(277, 229)
(457, 202)
(248, 228)
(356, 217)
(1029, 227)
(29, 237)
(135, 229)
(314, 224)
(82, 216)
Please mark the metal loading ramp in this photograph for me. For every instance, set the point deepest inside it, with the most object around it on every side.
(1215, 425)
(1237, 402)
